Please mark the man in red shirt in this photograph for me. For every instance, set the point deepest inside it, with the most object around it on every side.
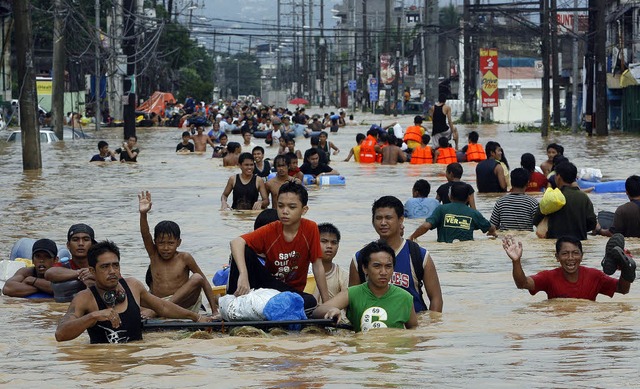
(288, 246)
(570, 280)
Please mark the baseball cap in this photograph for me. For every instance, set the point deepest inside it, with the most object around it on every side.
(46, 245)
(418, 119)
(79, 229)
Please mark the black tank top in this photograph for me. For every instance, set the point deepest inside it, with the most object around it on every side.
(486, 178)
(439, 120)
(130, 323)
(244, 196)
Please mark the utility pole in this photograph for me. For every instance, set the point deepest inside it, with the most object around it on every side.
(278, 81)
(555, 68)
(601, 68)
(574, 72)
(365, 54)
(432, 21)
(57, 100)
(469, 88)
(387, 38)
(31, 158)
(97, 64)
(589, 62)
(323, 53)
(544, 17)
(303, 82)
(129, 84)
(396, 80)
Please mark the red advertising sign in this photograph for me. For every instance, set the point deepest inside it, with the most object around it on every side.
(489, 71)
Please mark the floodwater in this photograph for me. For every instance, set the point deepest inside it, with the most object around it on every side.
(489, 335)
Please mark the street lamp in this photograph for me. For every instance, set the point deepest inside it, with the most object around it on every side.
(237, 78)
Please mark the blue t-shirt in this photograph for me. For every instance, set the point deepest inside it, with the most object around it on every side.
(420, 207)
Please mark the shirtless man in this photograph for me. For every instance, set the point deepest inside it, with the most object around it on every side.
(233, 154)
(200, 140)
(246, 188)
(392, 154)
(281, 163)
(553, 149)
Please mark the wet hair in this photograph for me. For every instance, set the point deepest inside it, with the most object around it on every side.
(295, 188)
(426, 138)
(491, 147)
(373, 132)
(567, 171)
(360, 137)
(291, 156)
(186, 133)
(328, 228)
(443, 142)
(223, 135)
(279, 158)
(519, 178)
(102, 144)
(258, 148)
(568, 239)
(632, 186)
(244, 156)
(455, 169)
(442, 98)
(290, 139)
(315, 140)
(97, 249)
(558, 159)
(556, 147)
(311, 152)
(473, 136)
(265, 217)
(528, 161)
(422, 187)
(459, 191)
(166, 227)
(323, 133)
(388, 202)
(133, 136)
(233, 146)
(372, 248)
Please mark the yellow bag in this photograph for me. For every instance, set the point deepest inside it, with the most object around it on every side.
(552, 201)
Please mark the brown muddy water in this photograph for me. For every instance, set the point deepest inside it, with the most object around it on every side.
(490, 334)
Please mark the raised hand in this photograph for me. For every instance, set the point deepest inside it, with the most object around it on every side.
(144, 201)
(512, 247)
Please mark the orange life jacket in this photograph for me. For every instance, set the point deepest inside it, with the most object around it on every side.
(447, 155)
(413, 133)
(367, 150)
(475, 153)
(421, 155)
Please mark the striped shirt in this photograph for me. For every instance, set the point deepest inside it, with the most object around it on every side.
(514, 212)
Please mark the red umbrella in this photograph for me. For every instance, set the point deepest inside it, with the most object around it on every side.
(299, 101)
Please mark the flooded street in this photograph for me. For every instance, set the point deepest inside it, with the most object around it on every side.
(490, 334)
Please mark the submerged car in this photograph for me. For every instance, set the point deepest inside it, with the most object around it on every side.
(46, 136)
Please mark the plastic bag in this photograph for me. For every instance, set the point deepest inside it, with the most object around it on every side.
(552, 201)
(286, 306)
(247, 307)
(590, 174)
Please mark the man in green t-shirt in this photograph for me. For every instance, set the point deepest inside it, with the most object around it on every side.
(455, 221)
(374, 304)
